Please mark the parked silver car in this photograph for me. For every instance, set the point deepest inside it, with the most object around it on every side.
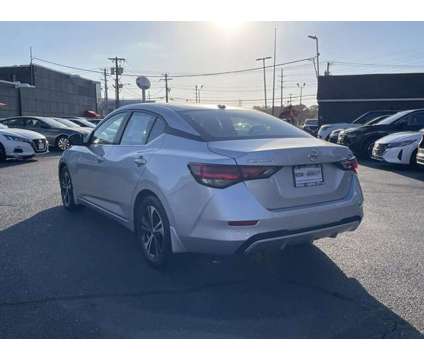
(211, 179)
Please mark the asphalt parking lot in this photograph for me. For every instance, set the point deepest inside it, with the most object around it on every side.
(81, 275)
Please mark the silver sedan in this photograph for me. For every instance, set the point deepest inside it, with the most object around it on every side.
(211, 179)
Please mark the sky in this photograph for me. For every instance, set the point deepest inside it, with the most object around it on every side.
(178, 48)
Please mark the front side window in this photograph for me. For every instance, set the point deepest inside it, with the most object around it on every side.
(137, 129)
(223, 124)
(108, 131)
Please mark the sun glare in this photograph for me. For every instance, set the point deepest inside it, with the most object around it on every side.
(228, 25)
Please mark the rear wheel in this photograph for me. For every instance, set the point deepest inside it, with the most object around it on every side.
(63, 143)
(2, 153)
(153, 232)
(67, 190)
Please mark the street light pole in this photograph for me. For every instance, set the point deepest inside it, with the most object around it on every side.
(263, 65)
(314, 37)
(301, 86)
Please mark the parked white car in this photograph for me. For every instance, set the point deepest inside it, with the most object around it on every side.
(20, 143)
(398, 148)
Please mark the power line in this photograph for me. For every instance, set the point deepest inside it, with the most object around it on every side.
(68, 66)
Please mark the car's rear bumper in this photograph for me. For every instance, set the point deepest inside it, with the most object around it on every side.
(213, 235)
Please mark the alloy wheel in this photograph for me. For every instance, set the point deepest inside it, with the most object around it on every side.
(153, 233)
(63, 143)
(66, 188)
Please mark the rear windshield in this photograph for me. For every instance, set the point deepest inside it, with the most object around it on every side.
(223, 124)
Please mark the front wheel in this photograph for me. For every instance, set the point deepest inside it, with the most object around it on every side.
(63, 143)
(67, 190)
(2, 153)
(413, 161)
(153, 232)
(366, 151)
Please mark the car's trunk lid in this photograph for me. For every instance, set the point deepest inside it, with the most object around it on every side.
(282, 190)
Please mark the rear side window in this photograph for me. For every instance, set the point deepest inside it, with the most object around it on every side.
(137, 129)
(157, 129)
(223, 124)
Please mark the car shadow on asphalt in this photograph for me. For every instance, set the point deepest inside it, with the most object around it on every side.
(416, 173)
(80, 275)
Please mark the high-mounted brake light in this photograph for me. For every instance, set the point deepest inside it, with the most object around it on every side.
(350, 164)
(221, 176)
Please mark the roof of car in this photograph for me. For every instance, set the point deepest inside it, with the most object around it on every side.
(176, 107)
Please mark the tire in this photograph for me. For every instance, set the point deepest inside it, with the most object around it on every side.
(153, 232)
(413, 161)
(2, 153)
(67, 190)
(62, 143)
(366, 149)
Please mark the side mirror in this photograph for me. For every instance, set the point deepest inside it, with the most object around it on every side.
(76, 140)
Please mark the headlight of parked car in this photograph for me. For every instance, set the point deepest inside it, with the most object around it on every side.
(402, 143)
(17, 138)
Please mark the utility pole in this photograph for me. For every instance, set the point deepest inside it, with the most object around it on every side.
(263, 65)
(314, 37)
(197, 88)
(106, 92)
(273, 72)
(327, 72)
(167, 89)
(281, 90)
(117, 70)
(301, 86)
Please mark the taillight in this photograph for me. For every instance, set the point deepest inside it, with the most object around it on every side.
(221, 176)
(349, 164)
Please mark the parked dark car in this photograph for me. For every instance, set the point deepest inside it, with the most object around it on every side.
(326, 129)
(311, 126)
(56, 133)
(334, 135)
(361, 140)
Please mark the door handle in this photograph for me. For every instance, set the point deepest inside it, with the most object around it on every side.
(140, 161)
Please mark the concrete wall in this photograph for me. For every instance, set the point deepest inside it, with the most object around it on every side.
(9, 96)
(55, 93)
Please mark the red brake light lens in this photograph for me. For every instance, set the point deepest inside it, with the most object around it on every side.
(221, 176)
(350, 164)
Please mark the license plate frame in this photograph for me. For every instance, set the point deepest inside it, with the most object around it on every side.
(301, 180)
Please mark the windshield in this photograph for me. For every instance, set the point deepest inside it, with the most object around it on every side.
(239, 124)
(389, 120)
(364, 118)
(53, 122)
(83, 122)
(376, 120)
(67, 123)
